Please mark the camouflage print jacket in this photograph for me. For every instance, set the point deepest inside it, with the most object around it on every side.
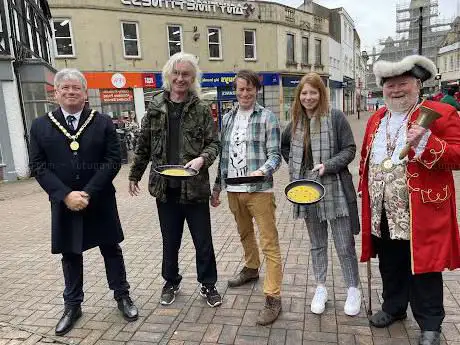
(198, 137)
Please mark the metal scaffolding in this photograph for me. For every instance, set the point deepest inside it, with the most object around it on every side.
(406, 40)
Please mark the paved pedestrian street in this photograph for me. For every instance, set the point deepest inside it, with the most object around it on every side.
(31, 282)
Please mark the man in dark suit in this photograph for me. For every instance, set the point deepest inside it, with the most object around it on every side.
(75, 155)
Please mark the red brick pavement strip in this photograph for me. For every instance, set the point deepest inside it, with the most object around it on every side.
(31, 282)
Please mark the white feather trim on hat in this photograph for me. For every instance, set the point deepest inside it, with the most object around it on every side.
(387, 69)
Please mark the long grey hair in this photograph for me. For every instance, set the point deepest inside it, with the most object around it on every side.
(171, 65)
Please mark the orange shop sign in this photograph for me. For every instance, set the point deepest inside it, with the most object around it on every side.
(119, 80)
(116, 96)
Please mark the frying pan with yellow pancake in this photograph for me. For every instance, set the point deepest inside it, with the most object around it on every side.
(175, 172)
(304, 192)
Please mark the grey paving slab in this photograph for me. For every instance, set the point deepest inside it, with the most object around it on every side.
(31, 282)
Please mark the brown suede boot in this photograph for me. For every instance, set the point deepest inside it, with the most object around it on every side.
(245, 276)
(271, 311)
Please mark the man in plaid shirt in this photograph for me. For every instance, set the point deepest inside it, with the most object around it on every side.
(250, 140)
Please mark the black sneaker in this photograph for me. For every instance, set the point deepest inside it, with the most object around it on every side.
(168, 294)
(212, 296)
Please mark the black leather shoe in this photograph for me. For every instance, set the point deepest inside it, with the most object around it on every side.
(430, 338)
(68, 319)
(382, 319)
(128, 309)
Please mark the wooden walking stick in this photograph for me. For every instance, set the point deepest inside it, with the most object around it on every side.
(369, 289)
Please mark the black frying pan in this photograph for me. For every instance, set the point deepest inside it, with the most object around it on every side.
(191, 172)
(244, 179)
(309, 183)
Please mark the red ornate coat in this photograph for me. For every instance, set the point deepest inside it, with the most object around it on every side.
(435, 243)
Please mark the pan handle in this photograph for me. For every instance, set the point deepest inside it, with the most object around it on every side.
(314, 175)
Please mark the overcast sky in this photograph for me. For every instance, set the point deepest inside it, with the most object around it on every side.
(375, 19)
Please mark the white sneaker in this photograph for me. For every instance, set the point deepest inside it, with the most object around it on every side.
(318, 303)
(353, 302)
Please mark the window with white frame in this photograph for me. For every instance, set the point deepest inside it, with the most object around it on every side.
(317, 52)
(214, 43)
(305, 50)
(130, 35)
(290, 46)
(250, 52)
(174, 39)
(63, 37)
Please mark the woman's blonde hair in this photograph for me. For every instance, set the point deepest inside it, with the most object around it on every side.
(298, 112)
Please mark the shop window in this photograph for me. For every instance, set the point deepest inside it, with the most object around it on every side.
(63, 38)
(290, 57)
(250, 44)
(174, 39)
(38, 100)
(305, 50)
(318, 52)
(215, 43)
(130, 33)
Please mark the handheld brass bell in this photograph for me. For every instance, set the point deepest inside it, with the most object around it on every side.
(426, 117)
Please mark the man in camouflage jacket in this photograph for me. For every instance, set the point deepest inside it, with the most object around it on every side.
(178, 129)
(197, 138)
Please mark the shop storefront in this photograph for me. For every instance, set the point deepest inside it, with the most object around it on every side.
(26, 92)
(128, 94)
(120, 95)
(336, 94)
(218, 90)
(348, 96)
(289, 83)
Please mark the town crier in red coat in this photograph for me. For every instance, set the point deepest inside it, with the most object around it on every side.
(409, 215)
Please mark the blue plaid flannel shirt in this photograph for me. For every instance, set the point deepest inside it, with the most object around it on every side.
(262, 148)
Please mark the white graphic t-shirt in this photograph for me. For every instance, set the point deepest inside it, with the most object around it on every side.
(237, 165)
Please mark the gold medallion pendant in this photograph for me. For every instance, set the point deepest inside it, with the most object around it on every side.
(74, 145)
(387, 165)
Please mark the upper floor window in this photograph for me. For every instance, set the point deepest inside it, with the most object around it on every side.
(130, 34)
(318, 52)
(214, 43)
(4, 47)
(63, 38)
(305, 50)
(250, 44)
(290, 12)
(174, 39)
(290, 54)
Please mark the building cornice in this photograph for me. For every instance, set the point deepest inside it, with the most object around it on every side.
(146, 10)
